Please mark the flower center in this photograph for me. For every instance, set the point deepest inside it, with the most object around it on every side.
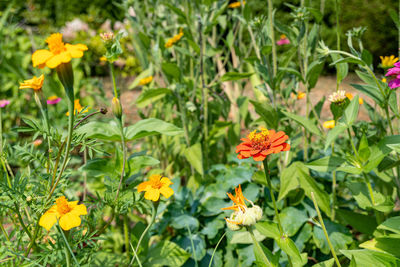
(62, 205)
(55, 43)
(157, 185)
(259, 139)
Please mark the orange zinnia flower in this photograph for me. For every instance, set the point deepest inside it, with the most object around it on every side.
(238, 200)
(259, 144)
(59, 52)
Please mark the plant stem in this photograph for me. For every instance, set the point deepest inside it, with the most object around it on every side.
(371, 193)
(68, 251)
(352, 143)
(337, 10)
(126, 235)
(324, 229)
(154, 207)
(204, 95)
(112, 71)
(215, 249)
(258, 247)
(272, 36)
(123, 157)
(267, 175)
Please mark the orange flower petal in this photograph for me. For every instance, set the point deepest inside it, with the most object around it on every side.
(40, 57)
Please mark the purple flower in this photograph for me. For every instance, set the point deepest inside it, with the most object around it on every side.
(4, 103)
(394, 73)
(283, 40)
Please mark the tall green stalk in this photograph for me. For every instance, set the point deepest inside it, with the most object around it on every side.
(267, 175)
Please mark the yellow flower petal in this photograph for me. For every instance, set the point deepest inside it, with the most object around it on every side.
(40, 57)
(63, 57)
(152, 194)
(69, 221)
(81, 47)
(165, 181)
(78, 209)
(49, 218)
(166, 191)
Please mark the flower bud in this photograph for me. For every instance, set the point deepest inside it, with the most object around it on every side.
(256, 211)
(232, 226)
(249, 218)
(116, 107)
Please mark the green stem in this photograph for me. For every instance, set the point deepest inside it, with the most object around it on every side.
(215, 249)
(324, 229)
(123, 157)
(272, 36)
(337, 10)
(267, 175)
(258, 247)
(352, 143)
(112, 71)
(126, 235)
(68, 250)
(69, 140)
(43, 109)
(154, 207)
(21, 221)
(204, 93)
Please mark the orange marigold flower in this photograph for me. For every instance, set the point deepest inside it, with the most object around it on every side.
(59, 52)
(301, 95)
(174, 39)
(156, 185)
(350, 97)
(259, 144)
(35, 83)
(66, 213)
(77, 108)
(329, 124)
(236, 4)
(146, 80)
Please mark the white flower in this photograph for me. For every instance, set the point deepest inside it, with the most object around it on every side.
(337, 97)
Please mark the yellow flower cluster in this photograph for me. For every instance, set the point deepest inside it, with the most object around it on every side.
(35, 83)
(258, 136)
(388, 62)
(174, 39)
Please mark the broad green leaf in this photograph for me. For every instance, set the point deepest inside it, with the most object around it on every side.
(288, 246)
(313, 73)
(166, 253)
(342, 69)
(289, 179)
(100, 130)
(326, 164)
(362, 196)
(371, 91)
(386, 244)
(199, 245)
(194, 155)
(259, 178)
(327, 263)
(267, 113)
(172, 70)
(233, 76)
(308, 124)
(391, 224)
(292, 219)
(268, 229)
(351, 112)
(152, 126)
(360, 222)
(183, 221)
(149, 96)
(244, 237)
(334, 133)
(348, 60)
(338, 234)
(393, 103)
(371, 258)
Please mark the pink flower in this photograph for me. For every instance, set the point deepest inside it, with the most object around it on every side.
(283, 41)
(52, 100)
(394, 73)
(4, 103)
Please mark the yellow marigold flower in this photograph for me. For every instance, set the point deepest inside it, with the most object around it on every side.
(337, 97)
(146, 80)
(156, 185)
(35, 83)
(66, 213)
(384, 80)
(77, 108)
(236, 4)
(301, 95)
(103, 58)
(350, 97)
(387, 62)
(329, 124)
(174, 39)
(59, 52)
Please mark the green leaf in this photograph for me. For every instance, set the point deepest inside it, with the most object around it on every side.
(351, 112)
(361, 222)
(199, 245)
(150, 96)
(194, 155)
(389, 244)
(334, 133)
(244, 237)
(142, 75)
(371, 258)
(391, 224)
(292, 219)
(183, 221)
(267, 113)
(338, 234)
(289, 179)
(313, 73)
(308, 124)
(326, 164)
(233, 76)
(361, 195)
(327, 263)
(289, 247)
(371, 91)
(268, 229)
(393, 103)
(149, 127)
(100, 130)
(172, 70)
(342, 69)
(166, 253)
